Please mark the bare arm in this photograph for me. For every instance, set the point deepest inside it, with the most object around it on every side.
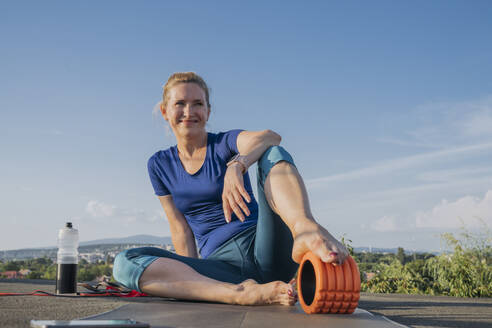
(181, 234)
(251, 145)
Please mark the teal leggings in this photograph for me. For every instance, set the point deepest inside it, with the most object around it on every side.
(261, 252)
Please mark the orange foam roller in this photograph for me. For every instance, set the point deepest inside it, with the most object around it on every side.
(327, 288)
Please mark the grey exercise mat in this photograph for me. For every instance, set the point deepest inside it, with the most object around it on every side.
(168, 313)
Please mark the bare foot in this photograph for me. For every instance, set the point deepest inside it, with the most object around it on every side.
(275, 292)
(318, 240)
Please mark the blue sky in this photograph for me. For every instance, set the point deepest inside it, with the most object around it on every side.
(386, 107)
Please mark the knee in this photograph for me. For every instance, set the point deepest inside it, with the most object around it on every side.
(275, 153)
(118, 265)
(123, 262)
(272, 156)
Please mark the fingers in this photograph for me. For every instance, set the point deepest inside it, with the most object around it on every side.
(233, 198)
(322, 244)
(335, 254)
(239, 195)
(227, 210)
(236, 210)
(292, 292)
(242, 208)
(244, 194)
(343, 253)
(238, 206)
(239, 201)
(330, 251)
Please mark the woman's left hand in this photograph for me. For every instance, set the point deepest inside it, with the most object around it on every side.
(315, 238)
(234, 194)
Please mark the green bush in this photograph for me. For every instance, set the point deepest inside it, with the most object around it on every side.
(466, 271)
(44, 268)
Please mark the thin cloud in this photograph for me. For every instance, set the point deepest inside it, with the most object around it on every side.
(55, 132)
(447, 123)
(101, 210)
(399, 163)
(400, 142)
(393, 195)
(442, 124)
(384, 224)
(450, 175)
(479, 123)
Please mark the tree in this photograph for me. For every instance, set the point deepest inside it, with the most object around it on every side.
(43, 261)
(11, 266)
(400, 255)
(34, 275)
(49, 272)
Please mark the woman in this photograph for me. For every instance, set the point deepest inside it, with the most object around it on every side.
(249, 251)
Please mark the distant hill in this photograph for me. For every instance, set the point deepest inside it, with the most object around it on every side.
(137, 239)
(99, 245)
(389, 250)
(114, 244)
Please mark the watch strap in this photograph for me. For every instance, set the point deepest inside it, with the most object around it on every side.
(239, 159)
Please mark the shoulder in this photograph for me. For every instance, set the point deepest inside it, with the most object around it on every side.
(227, 141)
(160, 158)
(226, 135)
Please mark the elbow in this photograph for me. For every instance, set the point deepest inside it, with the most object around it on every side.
(181, 233)
(273, 137)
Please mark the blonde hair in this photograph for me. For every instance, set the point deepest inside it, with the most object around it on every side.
(185, 77)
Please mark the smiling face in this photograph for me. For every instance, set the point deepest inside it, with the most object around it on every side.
(186, 110)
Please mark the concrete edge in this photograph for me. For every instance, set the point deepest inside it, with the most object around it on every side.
(384, 318)
(105, 312)
(371, 314)
(358, 308)
(393, 322)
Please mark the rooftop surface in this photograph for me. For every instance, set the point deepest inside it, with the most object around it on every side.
(408, 310)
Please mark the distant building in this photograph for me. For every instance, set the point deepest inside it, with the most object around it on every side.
(91, 253)
(24, 272)
(93, 257)
(11, 274)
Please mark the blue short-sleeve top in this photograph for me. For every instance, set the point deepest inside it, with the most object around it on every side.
(199, 196)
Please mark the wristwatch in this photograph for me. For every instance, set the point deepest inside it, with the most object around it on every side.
(241, 160)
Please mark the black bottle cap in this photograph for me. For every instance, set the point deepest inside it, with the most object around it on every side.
(68, 224)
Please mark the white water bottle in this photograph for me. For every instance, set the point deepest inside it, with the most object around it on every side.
(67, 260)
